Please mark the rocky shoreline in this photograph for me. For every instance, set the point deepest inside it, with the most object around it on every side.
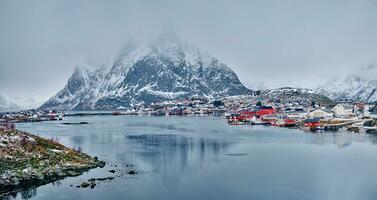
(28, 161)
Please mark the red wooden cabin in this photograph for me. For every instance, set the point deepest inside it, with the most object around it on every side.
(263, 110)
(314, 122)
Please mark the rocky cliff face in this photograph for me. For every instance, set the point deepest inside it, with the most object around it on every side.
(148, 72)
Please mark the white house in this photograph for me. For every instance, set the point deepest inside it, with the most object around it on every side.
(298, 115)
(366, 112)
(322, 114)
(343, 110)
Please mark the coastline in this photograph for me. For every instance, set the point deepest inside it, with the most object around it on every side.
(28, 161)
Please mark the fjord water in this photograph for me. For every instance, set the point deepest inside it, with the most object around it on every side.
(203, 157)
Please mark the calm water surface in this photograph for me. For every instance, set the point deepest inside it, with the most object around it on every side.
(205, 158)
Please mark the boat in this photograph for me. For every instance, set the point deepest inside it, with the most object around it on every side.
(261, 123)
(131, 112)
(60, 116)
(319, 128)
(235, 122)
(116, 113)
(237, 119)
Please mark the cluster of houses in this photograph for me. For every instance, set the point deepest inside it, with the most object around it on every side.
(30, 116)
(246, 109)
(188, 106)
(242, 109)
(342, 110)
(354, 116)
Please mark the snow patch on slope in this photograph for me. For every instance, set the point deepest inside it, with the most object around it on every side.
(165, 68)
(359, 85)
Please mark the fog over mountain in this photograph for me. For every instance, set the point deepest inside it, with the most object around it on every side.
(146, 72)
(266, 43)
(358, 85)
(6, 105)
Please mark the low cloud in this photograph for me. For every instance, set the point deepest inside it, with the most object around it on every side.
(268, 43)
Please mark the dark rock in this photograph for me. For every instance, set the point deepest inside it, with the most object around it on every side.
(131, 172)
(112, 171)
(14, 181)
(62, 174)
(73, 173)
(74, 123)
(110, 178)
(101, 164)
(85, 184)
(92, 184)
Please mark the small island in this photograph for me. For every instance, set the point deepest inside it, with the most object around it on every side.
(27, 160)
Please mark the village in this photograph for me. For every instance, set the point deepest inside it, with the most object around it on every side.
(239, 110)
(356, 117)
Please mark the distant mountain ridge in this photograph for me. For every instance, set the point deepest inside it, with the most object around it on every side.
(16, 103)
(147, 72)
(293, 95)
(358, 86)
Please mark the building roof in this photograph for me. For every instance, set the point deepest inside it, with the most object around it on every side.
(322, 110)
(346, 106)
(266, 107)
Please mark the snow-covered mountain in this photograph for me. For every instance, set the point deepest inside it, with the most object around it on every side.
(165, 68)
(295, 95)
(358, 86)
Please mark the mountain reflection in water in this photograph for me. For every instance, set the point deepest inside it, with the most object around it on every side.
(205, 158)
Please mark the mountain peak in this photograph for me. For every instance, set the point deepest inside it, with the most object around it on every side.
(166, 46)
(145, 72)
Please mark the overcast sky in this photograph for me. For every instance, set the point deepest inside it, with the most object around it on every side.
(270, 43)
